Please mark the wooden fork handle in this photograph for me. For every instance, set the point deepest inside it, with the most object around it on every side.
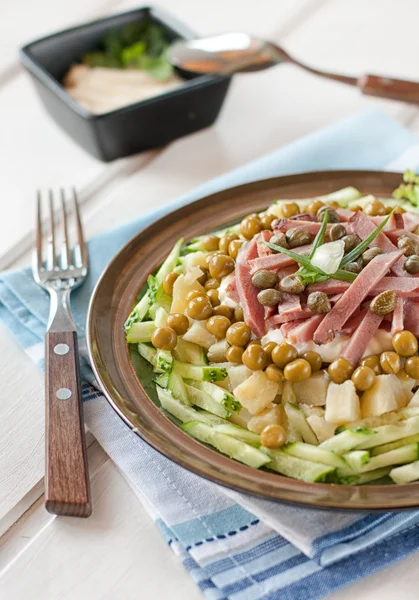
(392, 89)
(67, 489)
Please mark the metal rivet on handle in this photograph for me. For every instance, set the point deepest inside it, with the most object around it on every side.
(63, 394)
(61, 349)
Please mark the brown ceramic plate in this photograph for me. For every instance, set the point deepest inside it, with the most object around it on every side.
(126, 380)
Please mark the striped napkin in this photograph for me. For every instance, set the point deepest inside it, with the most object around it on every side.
(235, 546)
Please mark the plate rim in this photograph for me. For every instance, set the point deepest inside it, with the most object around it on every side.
(354, 494)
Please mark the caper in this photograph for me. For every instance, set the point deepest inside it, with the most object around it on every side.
(250, 226)
(221, 265)
(333, 215)
(223, 310)
(374, 208)
(212, 283)
(369, 254)
(193, 294)
(351, 241)
(265, 279)
(314, 206)
(411, 264)
(405, 343)
(164, 338)
(254, 357)
(390, 362)
(288, 210)
(340, 370)
(384, 303)
(218, 325)
(270, 297)
(267, 220)
(297, 236)
(210, 243)
(408, 244)
(337, 231)
(283, 354)
(373, 362)
(238, 313)
(234, 247)
(214, 297)
(274, 373)
(279, 239)
(318, 302)
(268, 347)
(297, 370)
(363, 378)
(199, 308)
(411, 367)
(314, 359)
(225, 241)
(273, 436)
(178, 322)
(238, 334)
(292, 284)
(234, 354)
(354, 267)
(168, 283)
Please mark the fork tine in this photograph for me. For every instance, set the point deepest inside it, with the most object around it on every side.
(65, 252)
(38, 234)
(80, 251)
(51, 256)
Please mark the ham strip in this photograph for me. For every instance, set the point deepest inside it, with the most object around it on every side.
(394, 235)
(304, 331)
(363, 226)
(411, 317)
(298, 313)
(231, 290)
(354, 322)
(401, 285)
(274, 262)
(394, 222)
(398, 318)
(264, 236)
(410, 220)
(253, 311)
(354, 295)
(344, 214)
(329, 287)
(287, 327)
(285, 224)
(360, 339)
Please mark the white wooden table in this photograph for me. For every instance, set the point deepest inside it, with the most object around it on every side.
(118, 553)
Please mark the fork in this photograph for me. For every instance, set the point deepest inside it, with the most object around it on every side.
(67, 488)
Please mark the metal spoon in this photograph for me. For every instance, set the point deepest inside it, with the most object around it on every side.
(238, 52)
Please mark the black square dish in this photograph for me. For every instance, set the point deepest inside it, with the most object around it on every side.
(146, 124)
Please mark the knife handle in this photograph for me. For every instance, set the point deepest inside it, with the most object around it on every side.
(392, 89)
(67, 488)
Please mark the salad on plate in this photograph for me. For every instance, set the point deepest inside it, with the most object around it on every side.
(289, 341)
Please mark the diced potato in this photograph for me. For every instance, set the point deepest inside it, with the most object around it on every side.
(321, 427)
(407, 384)
(237, 374)
(217, 352)
(415, 400)
(199, 334)
(385, 395)
(272, 415)
(195, 259)
(313, 390)
(193, 274)
(288, 394)
(342, 403)
(312, 410)
(256, 392)
(241, 418)
(181, 288)
(377, 421)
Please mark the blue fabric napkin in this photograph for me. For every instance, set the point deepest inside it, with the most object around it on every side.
(235, 546)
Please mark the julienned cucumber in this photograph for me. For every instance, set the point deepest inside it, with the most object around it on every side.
(183, 412)
(188, 352)
(170, 262)
(348, 440)
(140, 332)
(177, 387)
(305, 470)
(355, 460)
(227, 445)
(207, 402)
(199, 373)
(240, 433)
(314, 454)
(405, 474)
(391, 433)
(139, 312)
(405, 454)
(219, 394)
(150, 355)
(298, 419)
(393, 445)
(364, 477)
(164, 361)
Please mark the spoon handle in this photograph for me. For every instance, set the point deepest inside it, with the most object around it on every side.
(392, 89)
